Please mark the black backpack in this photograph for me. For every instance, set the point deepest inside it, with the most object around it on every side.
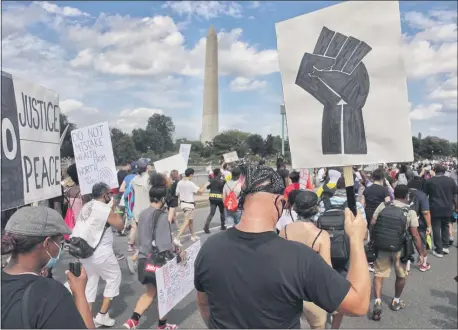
(333, 221)
(413, 201)
(389, 232)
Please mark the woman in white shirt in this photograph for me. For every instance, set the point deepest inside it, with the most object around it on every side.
(289, 215)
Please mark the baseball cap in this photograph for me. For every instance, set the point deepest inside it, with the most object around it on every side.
(305, 200)
(37, 221)
(143, 162)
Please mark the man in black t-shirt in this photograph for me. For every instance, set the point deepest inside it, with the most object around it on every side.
(375, 194)
(442, 192)
(266, 278)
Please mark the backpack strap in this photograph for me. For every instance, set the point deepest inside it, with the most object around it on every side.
(25, 307)
(327, 203)
(314, 241)
(155, 216)
(286, 235)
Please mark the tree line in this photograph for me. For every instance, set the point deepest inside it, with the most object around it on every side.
(156, 141)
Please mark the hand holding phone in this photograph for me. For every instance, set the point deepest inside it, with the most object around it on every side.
(75, 268)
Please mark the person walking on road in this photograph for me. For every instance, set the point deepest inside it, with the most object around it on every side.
(389, 227)
(267, 278)
(233, 186)
(442, 192)
(304, 231)
(216, 186)
(93, 226)
(186, 189)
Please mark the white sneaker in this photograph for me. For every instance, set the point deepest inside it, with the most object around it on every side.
(131, 265)
(177, 242)
(194, 238)
(439, 255)
(103, 320)
(446, 251)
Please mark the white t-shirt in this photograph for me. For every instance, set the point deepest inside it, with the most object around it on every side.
(91, 221)
(185, 191)
(286, 218)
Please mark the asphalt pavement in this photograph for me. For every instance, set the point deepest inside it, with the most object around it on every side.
(431, 297)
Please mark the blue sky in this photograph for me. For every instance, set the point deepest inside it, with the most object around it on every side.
(123, 61)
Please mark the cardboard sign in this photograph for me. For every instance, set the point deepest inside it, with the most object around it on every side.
(231, 157)
(167, 165)
(175, 281)
(30, 155)
(185, 150)
(94, 157)
(344, 85)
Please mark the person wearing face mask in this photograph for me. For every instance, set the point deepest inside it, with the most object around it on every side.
(92, 225)
(34, 236)
(267, 278)
(154, 235)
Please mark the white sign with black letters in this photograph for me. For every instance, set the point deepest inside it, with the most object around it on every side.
(94, 156)
(30, 155)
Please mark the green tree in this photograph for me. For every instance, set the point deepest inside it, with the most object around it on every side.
(66, 148)
(165, 127)
(139, 137)
(269, 145)
(124, 150)
(229, 141)
(256, 144)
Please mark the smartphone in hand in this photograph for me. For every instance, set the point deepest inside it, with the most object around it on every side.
(75, 268)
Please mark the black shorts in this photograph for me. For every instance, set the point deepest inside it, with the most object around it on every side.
(141, 273)
(173, 202)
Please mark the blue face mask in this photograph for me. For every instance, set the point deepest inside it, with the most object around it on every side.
(52, 261)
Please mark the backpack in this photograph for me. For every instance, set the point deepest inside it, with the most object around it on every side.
(390, 229)
(230, 202)
(333, 221)
(413, 201)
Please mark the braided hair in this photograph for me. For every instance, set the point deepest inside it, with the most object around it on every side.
(260, 178)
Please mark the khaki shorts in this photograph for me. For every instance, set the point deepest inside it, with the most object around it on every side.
(314, 315)
(188, 214)
(384, 262)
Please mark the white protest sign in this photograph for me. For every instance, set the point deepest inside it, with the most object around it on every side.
(185, 150)
(231, 157)
(30, 154)
(94, 156)
(167, 165)
(175, 281)
(344, 81)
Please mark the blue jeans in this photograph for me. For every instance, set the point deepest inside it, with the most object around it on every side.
(233, 217)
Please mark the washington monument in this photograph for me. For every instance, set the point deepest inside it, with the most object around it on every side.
(210, 105)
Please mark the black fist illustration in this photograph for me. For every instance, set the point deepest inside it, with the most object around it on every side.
(335, 75)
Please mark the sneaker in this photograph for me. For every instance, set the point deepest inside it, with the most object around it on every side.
(167, 326)
(130, 248)
(131, 265)
(194, 238)
(223, 227)
(103, 320)
(395, 306)
(177, 242)
(439, 255)
(371, 267)
(424, 268)
(119, 255)
(445, 251)
(130, 324)
(377, 311)
(206, 230)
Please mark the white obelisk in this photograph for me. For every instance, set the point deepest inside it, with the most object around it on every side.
(210, 126)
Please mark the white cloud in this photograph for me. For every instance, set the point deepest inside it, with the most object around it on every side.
(432, 50)
(242, 84)
(205, 9)
(422, 112)
(129, 119)
(255, 4)
(446, 92)
(63, 11)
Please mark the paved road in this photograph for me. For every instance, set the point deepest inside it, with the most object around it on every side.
(431, 297)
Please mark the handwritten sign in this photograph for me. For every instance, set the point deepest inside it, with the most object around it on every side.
(175, 281)
(185, 150)
(231, 157)
(336, 75)
(94, 157)
(167, 165)
(30, 155)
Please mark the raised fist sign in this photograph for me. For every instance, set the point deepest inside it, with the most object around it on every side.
(336, 76)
